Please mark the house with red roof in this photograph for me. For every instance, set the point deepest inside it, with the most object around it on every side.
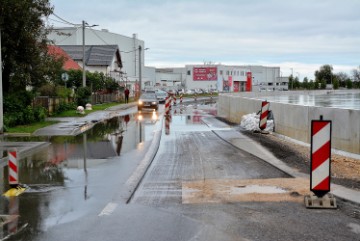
(58, 52)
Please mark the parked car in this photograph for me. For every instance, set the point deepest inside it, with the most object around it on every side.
(190, 92)
(161, 96)
(148, 101)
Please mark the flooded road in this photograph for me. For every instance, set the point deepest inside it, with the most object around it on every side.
(196, 186)
(332, 99)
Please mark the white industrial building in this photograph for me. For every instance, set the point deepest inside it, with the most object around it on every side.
(223, 78)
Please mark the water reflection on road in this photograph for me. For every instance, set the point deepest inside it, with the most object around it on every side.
(56, 170)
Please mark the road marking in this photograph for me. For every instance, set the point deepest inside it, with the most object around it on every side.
(108, 210)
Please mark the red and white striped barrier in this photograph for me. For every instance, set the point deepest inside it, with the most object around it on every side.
(264, 114)
(167, 105)
(174, 99)
(13, 169)
(320, 157)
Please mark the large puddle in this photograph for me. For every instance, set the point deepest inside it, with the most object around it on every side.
(332, 99)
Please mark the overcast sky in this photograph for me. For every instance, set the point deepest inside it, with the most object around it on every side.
(294, 34)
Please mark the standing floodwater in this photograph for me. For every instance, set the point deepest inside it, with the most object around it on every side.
(341, 100)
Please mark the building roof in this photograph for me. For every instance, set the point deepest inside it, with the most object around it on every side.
(58, 52)
(95, 55)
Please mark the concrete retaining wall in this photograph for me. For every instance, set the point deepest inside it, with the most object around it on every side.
(295, 120)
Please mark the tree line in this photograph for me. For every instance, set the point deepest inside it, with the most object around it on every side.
(325, 78)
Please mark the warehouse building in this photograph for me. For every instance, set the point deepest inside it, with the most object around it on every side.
(223, 78)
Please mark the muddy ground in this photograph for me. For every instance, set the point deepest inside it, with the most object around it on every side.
(344, 170)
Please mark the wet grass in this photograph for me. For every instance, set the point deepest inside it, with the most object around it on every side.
(29, 128)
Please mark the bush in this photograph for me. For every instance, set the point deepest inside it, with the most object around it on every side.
(65, 106)
(83, 96)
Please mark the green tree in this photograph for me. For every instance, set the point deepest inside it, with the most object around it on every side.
(305, 83)
(26, 61)
(324, 75)
(311, 85)
(291, 82)
(349, 84)
(342, 77)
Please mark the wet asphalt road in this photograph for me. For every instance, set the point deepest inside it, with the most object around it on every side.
(100, 202)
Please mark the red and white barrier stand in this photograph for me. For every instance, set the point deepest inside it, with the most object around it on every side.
(167, 105)
(264, 112)
(320, 175)
(174, 99)
(13, 165)
(13, 169)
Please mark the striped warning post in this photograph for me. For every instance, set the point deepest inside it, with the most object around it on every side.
(167, 105)
(264, 114)
(13, 168)
(320, 157)
(174, 99)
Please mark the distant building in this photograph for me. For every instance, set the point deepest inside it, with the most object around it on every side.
(224, 78)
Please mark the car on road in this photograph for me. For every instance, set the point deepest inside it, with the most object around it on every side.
(161, 96)
(148, 101)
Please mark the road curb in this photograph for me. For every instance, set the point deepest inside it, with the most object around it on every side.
(145, 163)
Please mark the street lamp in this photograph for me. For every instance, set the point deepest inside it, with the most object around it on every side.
(140, 76)
(83, 49)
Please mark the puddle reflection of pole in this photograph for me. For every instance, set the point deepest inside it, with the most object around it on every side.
(85, 150)
(140, 131)
(85, 169)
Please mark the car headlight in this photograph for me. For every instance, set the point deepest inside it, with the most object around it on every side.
(140, 102)
(154, 102)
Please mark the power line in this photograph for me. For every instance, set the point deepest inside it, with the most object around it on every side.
(64, 21)
(99, 36)
(68, 36)
(57, 21)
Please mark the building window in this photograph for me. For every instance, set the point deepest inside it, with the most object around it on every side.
(189, 72)
(227, 72)
(221, 72)
(242, 73)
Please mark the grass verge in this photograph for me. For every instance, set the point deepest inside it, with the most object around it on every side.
(29, 128)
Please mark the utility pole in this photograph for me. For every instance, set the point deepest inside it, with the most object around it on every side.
(1, 94)
(140, 77)
(83, 49)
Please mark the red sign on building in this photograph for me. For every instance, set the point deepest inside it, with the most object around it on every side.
(205, 73)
